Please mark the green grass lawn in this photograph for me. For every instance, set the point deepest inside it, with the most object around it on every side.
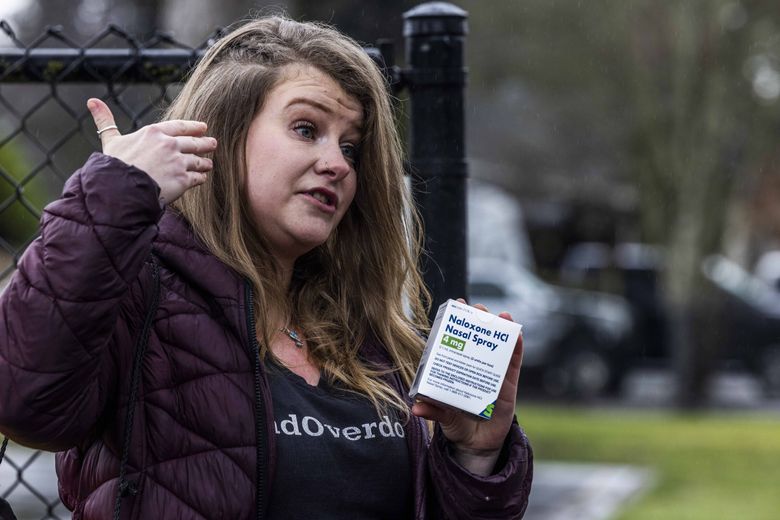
(709, 466)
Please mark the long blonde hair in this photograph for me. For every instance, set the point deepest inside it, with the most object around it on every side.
(363, 282)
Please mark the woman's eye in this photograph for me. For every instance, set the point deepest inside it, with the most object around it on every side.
(350, 152)
(304, 129)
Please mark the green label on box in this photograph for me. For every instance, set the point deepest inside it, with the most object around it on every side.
(487, 413)
(449, 341)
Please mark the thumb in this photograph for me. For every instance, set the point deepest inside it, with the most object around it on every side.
(104, 120)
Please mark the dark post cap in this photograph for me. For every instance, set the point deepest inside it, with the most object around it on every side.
(435, 18)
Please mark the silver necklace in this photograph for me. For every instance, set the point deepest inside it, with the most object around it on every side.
(293, 336)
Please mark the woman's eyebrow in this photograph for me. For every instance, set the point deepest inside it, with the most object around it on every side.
(358, 127)
(310, 102)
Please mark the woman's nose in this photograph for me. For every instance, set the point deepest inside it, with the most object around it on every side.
(332, 162)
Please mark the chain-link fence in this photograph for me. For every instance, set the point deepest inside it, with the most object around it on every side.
(46, 133)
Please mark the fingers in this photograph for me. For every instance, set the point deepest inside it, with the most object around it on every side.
(517, 354)
(199, 164)
(197, 168)
(476, 305)
(196, 178)
(505, 315)
(179, 127)
(103, 119)
(196, 145)
(431, 412)
(516, 361)
(508, 392)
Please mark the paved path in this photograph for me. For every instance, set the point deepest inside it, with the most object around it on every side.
(564, 491)
(728, 389)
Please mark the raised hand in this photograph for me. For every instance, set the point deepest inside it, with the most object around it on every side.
(170, 152)
(478, 442)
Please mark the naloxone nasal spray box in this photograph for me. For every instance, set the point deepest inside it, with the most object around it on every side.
(465, 359)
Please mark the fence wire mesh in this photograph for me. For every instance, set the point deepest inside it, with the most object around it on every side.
(46, 133)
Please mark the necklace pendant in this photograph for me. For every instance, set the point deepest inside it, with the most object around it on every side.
(293, 336)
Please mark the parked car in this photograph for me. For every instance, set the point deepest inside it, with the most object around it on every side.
(767, 268)
(574, 340)
(631, 270)
(750, 319)
(747, 323)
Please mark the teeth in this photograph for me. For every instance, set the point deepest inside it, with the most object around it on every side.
(321, 197)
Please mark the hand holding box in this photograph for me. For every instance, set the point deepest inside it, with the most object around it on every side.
(465, 359)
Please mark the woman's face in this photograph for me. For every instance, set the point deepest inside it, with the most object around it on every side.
(301, 153)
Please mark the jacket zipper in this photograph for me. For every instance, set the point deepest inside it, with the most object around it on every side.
(260, 412)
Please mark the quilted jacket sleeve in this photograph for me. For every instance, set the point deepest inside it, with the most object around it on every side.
(463, 495)
(59, 312)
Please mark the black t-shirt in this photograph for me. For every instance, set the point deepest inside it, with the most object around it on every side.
(335, 457)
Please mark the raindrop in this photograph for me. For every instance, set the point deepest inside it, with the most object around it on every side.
(766, 82)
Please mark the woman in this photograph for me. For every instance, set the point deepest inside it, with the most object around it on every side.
(258, 242)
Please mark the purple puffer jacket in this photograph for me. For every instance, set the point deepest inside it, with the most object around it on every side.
(202, 443)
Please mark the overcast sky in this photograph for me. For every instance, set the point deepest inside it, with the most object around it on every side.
(7, 9)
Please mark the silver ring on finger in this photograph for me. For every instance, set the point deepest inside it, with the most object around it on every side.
(110, 127)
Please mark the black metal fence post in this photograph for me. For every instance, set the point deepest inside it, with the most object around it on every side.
(436, 79)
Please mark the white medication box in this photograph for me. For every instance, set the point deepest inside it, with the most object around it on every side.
(465, 359)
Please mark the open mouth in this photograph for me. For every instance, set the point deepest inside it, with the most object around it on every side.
(324, 197)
